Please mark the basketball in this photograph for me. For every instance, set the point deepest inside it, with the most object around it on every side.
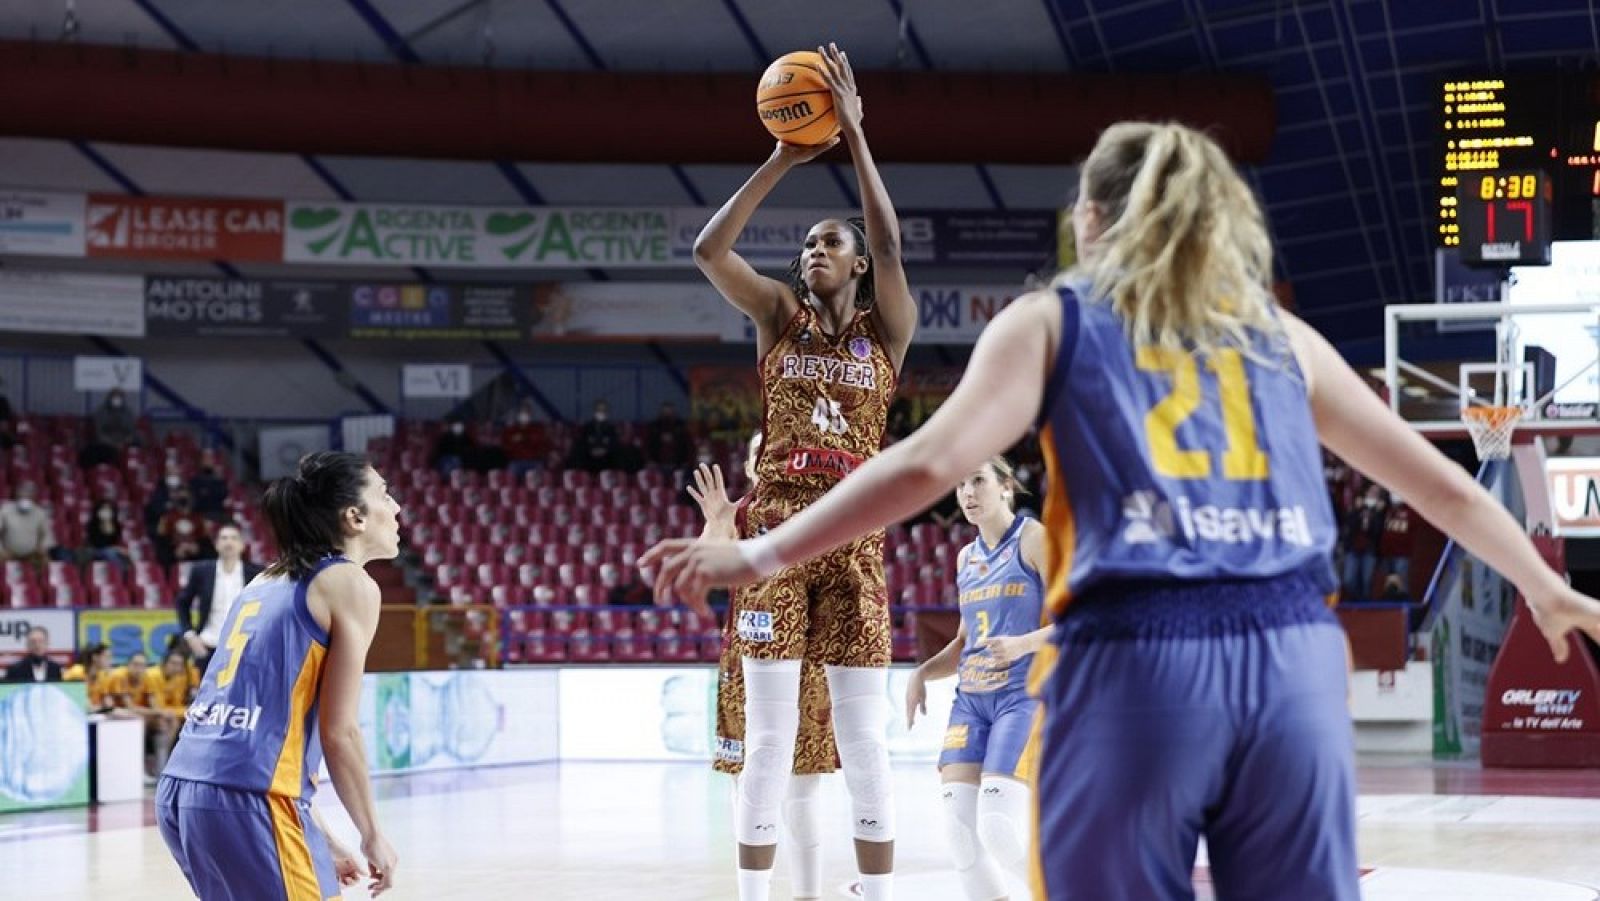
(794, 102)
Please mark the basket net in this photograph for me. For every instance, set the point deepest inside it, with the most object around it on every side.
(1491, 428)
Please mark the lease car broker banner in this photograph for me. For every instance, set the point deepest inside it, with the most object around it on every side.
(184, 228)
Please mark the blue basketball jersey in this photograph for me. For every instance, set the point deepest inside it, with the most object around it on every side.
(999, 595)
(253, 723)
(1168, 465)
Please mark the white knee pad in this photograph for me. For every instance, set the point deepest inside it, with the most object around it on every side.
(1004, 817)
(772, 719)
(802, 814)
(980, 878)
(859, 718)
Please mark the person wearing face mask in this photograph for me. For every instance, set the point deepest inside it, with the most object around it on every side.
(114, 428)
(161, 499)
(595, 448)
(35, 666)
(182, 534)
(524, 442)
(667, 441)
(102, 534)
(1362, 534)
(454, 447)
(25, 532)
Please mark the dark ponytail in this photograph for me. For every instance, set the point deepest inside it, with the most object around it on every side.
(306, 510)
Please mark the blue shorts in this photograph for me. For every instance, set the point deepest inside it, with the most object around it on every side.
(243, 846)
(990, 728)
(1168, 719)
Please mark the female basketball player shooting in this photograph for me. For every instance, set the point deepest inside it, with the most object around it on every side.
(983, 766)
(815, 753)
(1199, 685)
(830, 342)
(234, 803)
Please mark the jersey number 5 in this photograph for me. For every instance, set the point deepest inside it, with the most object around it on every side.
(237, 639)
(1243, 459)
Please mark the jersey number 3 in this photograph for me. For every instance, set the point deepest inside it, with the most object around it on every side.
(1243, 459)
(237, 639)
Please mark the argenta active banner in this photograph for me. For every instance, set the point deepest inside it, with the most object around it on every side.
(473, 237)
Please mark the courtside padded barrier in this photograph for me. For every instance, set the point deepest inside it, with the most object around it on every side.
(1538, 713)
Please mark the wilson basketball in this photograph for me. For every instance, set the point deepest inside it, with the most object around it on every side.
(794, 102)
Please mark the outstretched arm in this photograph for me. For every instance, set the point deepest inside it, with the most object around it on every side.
(765, 300)
(896, 308)
(1353, 423)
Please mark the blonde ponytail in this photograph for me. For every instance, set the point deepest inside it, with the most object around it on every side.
(1184, 259)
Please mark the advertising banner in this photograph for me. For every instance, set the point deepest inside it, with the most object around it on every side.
(244, 308)
(435, 380)
(416, 311)
(72, 303)
(772, 238)
(44, 759)
(499, 237)
(184, 228)
(14, 626)
(126, 631)
(434, 721)
(957, 314)
(41, 223)
(106, 373)
(1025, 239)
(654, 311)
(1575, 495)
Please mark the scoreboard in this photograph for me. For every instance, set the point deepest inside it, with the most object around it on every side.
(1497, 136)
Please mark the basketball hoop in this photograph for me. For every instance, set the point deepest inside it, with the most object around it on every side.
(1491, 428)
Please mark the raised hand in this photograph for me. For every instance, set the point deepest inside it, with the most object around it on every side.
(710, 492)
(841, 80)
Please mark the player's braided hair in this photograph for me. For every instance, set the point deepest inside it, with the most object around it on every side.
(866, 290)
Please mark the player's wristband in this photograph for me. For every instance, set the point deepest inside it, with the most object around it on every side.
(761, 555)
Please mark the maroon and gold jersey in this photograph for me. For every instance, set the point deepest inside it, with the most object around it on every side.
(826, 401)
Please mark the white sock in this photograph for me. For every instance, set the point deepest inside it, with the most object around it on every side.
(755, 885)
(877, 887)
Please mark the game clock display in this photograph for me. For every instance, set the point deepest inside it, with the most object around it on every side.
(1504, 219)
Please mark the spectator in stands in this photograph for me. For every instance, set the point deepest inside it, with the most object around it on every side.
(899, 424)
(454, 448)
(635, 593)
(182, 534)
(524, 442)
(208, 595)
(595, 447)
(34, 665)
(209, 492)
(667, 441)
(102, 535)
(1362, 534)
(161, 498)
(1394, 547)
(114, 428)
(25, 532)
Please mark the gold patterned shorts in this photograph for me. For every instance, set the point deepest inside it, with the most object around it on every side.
(832, 610)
